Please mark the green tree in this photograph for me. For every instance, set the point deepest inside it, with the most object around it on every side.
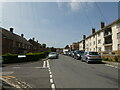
(53, 49)
(43, 45)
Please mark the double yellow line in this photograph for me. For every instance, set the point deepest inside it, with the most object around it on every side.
(8, 77)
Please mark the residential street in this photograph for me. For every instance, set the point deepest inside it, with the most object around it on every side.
(66, 73)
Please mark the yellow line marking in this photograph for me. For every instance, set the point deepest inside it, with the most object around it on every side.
(11, 76)
(8, 77)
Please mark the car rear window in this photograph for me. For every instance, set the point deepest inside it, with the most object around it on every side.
(52, 53)
(80, 52)
(93, 53)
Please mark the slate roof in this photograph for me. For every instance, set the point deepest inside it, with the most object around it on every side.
(12, 36)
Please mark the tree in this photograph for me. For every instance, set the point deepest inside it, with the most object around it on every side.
(43, 45)
(53, 49)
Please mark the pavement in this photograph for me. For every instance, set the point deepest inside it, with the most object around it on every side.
(116, 64)
(64, 72)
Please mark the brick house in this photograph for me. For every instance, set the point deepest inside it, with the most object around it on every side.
(75, 46)
(13, 43)
(36, 46)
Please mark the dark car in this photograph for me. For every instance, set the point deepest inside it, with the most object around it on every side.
(72, 54)
(78, 54)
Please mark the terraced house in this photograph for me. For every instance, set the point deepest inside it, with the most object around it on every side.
(105, 41)
(13, 43)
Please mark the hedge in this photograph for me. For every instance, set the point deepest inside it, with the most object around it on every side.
(114, 58)
(13, 58)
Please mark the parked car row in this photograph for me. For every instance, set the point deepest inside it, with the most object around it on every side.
(85, 56)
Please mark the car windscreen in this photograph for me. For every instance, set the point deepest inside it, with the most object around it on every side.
(93, 53)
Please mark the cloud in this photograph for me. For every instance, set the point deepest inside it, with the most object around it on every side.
(74, 5)
(59, 3)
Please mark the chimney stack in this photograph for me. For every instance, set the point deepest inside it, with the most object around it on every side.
(93, 30)
(22, 35)
(84, 36)
(11, 30)
(33, 39)
(102, 25)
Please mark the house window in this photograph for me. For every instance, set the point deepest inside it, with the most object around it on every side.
(99, 41)
(99, 34)
(21, 45)
(99, 48)
(118, 46)
(118, 35)
(90, 49)
(90, 43)
(94, 43)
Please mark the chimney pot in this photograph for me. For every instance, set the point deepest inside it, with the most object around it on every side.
(84, 36)
(33, 39)
(102, 25)
(93, 30)
(11, 30)
(22, 35)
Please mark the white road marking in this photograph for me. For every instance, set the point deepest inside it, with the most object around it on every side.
(51, 80)
(16, 67)
(44, 64)
(48, 64)
(53, 86)
(28, 67)
(50, 72)
(51, 76)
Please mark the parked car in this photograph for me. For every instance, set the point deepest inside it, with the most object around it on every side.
(72, 54)
(91, 57)
(69, 53)
(53, 55)
(78, 54)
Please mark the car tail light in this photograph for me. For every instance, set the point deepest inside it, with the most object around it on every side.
(89, 56)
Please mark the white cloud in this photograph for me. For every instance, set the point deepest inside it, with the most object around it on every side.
(59, 4)
(74, 6)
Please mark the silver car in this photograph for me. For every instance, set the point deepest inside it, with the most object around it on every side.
(53, 55)
(91, 57)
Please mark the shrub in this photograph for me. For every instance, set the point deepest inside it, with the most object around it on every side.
(13, 58)
(105, 59)
(116, 59)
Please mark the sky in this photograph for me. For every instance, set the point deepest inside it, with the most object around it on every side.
(56, 23)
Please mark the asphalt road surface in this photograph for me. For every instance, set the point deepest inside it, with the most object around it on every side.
(70, 73)
(66, 72)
